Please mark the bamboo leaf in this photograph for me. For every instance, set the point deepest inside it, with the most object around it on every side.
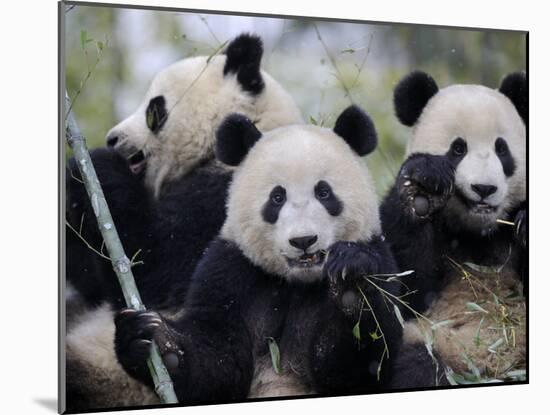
(451, 378)
(472, 367)
(428, 343)
(357, 331)
(442, 324)
(150, 118)
(83, 38)
(275, 355)
(374, 335)
(401, 274)
(398, 315)
(519, 374)
(476, 307)
(483, 268)
(477, 338)
(404, 273)
(492, 348)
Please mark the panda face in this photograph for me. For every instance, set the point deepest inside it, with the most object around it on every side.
(173, 129)
(305, 222)
(482, 134)
(299, 190)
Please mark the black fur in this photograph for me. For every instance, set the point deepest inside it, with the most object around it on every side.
(520, 221)
(324, 194)
(244, 55)
(156, 114)
(514, 86)
(171, 232)
(506, 158)
(234, 138)
(234, 307)
(357, 129)
(423, 242)
(272, 207)
(457, 151)
(411, 96)
(414, 367)
(91, 275)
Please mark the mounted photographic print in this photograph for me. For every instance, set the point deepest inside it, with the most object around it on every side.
(261, 207)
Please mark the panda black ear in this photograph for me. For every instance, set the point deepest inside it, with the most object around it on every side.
(234, 138)
(357, 129)
(411, 95)
(244, 55)
(514, 86)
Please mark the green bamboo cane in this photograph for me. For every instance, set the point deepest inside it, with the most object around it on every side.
(121, 264)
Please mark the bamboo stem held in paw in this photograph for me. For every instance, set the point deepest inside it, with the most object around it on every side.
(121, 264)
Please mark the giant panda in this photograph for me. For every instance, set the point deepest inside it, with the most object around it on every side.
(159, 173)
(457, 216)
(166, 192)
(302, 229)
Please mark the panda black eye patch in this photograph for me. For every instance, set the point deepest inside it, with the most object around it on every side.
(457, 150)
(271, 209)
(503, 153)
(155, 114)
(325, 195)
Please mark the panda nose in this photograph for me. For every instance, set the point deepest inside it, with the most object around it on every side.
(112, 139)
(484, 190)
(303, 242)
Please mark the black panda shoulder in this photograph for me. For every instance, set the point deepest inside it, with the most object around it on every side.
(222, 274)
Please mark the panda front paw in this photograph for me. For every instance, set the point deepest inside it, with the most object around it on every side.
(346, 265)
(425, 183)
(134, 334)
(520, 228)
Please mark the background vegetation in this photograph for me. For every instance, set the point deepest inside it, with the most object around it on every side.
(112, 55)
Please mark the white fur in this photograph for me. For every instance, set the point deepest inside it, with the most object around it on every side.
(90, 354)
(297, 158)
(479, 115)
(198, 97)
(266, 383)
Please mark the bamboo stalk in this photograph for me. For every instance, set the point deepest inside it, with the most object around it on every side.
(121, 264)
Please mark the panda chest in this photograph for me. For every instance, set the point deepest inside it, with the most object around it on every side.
(281, 327)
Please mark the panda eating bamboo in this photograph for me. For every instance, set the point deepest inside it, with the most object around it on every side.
(457, 216)
(286, 273)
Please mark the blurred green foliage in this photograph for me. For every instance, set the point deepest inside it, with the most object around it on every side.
(324, 65)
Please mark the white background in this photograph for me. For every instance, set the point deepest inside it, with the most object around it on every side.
(28, 202)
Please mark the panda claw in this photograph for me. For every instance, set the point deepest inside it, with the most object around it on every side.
(127, 311)
(149, 314)
(150, 318)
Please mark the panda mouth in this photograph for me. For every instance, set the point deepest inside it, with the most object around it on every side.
(483, 209)
(307, 260)
(477, 208)
(137, 162)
